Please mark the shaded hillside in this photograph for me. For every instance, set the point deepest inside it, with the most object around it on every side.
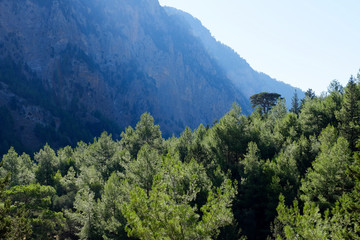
(71, 69)
(246, 79)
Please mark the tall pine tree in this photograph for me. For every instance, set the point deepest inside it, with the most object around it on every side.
(295, 104)
(349, 114)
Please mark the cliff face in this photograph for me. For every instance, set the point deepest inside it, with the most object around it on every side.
(70, 69)
(247, 80)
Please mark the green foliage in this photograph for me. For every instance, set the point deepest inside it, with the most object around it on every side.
(253, 205)
(229, 138)
(317, 113)
(335, 86)
(327, 180)
(295, 104)
(20, 168)
(145, 187)
(185, 143)
(66, 159)
(111, 218)
(145, 133)
(48, 164)
(308, 224)
(167, 214)
(287, 128)
(33, 202)
(286, 176)
(310, 94)
(349, 114)
(5, 220)
(91, 178)
(141, 172)
(33, 196)
(66, 189)
(265, 100)
(86, 218)
(103, 155)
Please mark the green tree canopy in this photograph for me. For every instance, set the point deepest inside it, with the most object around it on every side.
(322, 184)
(145, 133)
(265, 100)
(162, 215)
(48, 164)
(20, 168)
(295, 103)
(349, 114)
(36, 201)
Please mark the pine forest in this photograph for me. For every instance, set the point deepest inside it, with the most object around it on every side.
(274, 174)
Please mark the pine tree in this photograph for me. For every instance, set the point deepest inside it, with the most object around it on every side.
(335, 86)
(48, 165)
(265, 100)
(295, 104)
(349, 114)
(31, 205)
(325, 183)
(168, 214)
(229, 138)
(20, 168)
(141, 172)
(145, 133)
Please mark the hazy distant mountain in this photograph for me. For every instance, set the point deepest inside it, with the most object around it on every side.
(70, 69)
(246, 79)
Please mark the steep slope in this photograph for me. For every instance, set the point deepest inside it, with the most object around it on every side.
(70, 69)
(247, 80)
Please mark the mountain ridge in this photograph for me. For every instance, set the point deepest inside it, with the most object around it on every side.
(72, 69)
(237, 69)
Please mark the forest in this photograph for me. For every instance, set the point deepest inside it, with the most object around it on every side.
(274, 174)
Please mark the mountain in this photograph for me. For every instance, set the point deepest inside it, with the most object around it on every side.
(70, 69)
(246, 79)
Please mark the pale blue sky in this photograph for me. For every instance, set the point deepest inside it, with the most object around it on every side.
(306, 43)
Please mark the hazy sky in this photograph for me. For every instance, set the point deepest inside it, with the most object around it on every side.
(306, 43)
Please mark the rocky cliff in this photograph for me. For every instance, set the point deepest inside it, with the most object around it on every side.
(70, 69)
(73, 68)
(247, 80)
